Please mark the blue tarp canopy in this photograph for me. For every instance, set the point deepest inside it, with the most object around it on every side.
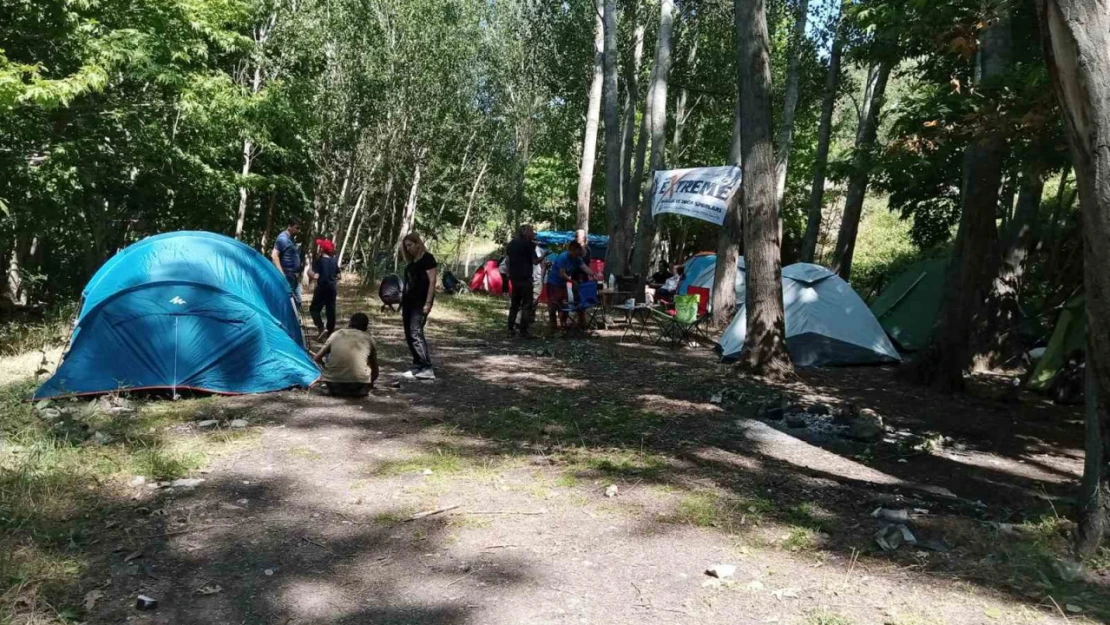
(185, 310)
(695, 265)
(599, 243)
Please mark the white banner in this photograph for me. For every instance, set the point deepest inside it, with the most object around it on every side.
(702, 193)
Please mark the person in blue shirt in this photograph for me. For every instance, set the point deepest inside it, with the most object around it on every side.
(562, 271)
(287, 257)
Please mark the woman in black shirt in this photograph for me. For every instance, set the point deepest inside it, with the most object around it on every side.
(416, 304)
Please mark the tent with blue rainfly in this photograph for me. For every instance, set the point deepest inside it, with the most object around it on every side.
(694, 266)
(827, 322)
(707, 278)
(185, 310)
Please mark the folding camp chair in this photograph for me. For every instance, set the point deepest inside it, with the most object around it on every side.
(588, 304)
(685, 322)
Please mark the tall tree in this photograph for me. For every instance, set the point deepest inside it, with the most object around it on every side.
(612, 123)
(1077, 42)
(657, 111)
(765, 343)
(790, 101)
(593, 114)
(731, 235)
(866, 134)
(631, 100)
(968, 279)
(824, 140)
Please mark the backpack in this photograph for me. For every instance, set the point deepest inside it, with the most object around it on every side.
(451, 284)
(390, 291)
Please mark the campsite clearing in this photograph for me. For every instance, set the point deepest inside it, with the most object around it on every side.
(315, 511)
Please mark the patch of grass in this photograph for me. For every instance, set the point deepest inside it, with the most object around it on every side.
(441, 461)
(29, 333)
(601, 424)
(567, 480)
(391, 517)
(800, 539)
(703, 509)
(619, 463)
(61, 478)
(810, 516)
(825, 618)
(306, 453)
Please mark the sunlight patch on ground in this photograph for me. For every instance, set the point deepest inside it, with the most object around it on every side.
(666, 405)
(18, 368)
(515, 369)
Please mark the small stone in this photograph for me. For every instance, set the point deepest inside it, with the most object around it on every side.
(100, 438)
(187, 483)
(242, 502)
(612, 490)
(755, 585)
(426, 472)
(207, 423)
(50, 413)
(796, 422)
(819, 409)
(138, 480)
(238, 423)
(891, 516)
(716, 399)
(268, 572)
(1074, 609)
(144, 602)
(774, 414)
(868, 426)
(721, 571)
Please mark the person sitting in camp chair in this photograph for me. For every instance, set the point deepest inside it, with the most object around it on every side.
(350, 360)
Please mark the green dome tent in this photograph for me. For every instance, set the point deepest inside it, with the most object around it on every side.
(1070, 335)
(908, 307)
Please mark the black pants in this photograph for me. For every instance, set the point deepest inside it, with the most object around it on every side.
(323, 298)
(523, 304)
(414, 320)
(345, 389)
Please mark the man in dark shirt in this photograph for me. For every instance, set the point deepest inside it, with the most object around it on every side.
(522, 259)
(287, 257)
(325, 271)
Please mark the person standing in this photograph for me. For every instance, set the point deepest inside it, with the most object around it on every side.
(325, 271)
(522, 261)
(562, 271)
(416, 304)
(287, 257)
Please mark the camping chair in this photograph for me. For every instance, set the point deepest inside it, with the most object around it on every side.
(588, 304)
(686, 321)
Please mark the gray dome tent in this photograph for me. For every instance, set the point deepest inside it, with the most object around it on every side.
(826, 322)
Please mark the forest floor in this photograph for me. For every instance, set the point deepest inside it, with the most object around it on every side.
(304, 512)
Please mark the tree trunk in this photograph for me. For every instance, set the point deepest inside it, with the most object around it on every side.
(680, 112)
(645, 232)
(631, 98)
(968, 280)
(612, 128)
(269, 222)
(1077, 34)
(728, 243)
(248, 159)
(790, 103)
(765, 344)
(408, 219)
(356, 212)
(999, 342)
(469, 207)
(338, 209)
(866, 134)
(593, 112)
(824, 140)
(16, 292)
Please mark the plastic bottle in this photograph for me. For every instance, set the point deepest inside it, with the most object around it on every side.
(612, 282)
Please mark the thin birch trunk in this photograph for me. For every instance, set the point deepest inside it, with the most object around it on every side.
(790, 104)
(824, 140)
(593, 114)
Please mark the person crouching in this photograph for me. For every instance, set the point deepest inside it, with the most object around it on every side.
(349, 359)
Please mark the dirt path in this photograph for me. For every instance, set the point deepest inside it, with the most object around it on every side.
(521, 440)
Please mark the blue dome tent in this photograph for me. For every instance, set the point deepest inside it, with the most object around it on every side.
(599, 243)
(185, 310)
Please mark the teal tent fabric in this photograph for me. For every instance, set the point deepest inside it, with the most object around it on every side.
(185, 310)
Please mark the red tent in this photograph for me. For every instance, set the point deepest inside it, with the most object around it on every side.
(487, 279)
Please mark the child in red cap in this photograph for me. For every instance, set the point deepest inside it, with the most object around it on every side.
(325, 271)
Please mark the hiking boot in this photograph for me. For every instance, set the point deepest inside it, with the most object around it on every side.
(425, 374)
(322, 335)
